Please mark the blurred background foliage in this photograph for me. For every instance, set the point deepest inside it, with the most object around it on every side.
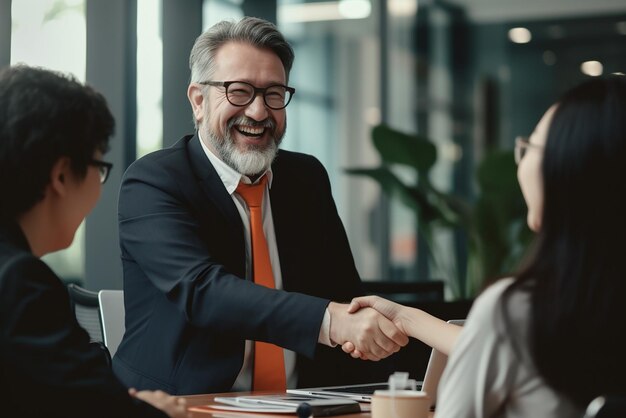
(491, 227)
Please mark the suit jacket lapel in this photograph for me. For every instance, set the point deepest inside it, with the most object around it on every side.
(212, 185)
(282, 196)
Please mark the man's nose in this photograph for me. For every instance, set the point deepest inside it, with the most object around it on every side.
(257, 109)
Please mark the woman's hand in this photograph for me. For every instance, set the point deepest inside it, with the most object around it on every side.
(173, 406)
(391, 310)
(410, 321)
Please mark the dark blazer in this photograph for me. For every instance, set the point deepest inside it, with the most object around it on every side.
(188, 310)
(47, 366)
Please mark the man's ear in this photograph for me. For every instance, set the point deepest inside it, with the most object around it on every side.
(196, 98)
(59, 175)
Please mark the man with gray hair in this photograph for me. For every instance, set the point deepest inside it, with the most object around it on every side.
(233, 250)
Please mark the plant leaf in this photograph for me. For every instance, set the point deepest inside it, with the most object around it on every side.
(396, 147)
(389, 182)
(497, 174)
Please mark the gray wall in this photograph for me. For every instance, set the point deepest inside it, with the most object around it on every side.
(111, 46)
(5, 32)
(182, 23)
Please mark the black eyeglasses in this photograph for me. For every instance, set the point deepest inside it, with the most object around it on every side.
(521, 146)
(103, 167)
(240, 93)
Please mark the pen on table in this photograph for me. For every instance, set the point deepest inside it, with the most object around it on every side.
(305, 410)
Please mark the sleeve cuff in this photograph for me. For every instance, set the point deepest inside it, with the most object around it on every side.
(324, 337)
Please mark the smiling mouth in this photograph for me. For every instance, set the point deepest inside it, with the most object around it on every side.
(251, 131)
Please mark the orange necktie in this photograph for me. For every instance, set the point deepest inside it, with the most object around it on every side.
(269, 364)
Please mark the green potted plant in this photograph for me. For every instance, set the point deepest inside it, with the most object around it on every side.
(493, 222)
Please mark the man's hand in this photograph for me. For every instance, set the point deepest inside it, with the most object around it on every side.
(391, 310)
(410, 321)
(372, 335)
(173, 406)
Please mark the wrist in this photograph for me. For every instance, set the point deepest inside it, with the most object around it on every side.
(335, 310)
(408, 320)
(324, 335)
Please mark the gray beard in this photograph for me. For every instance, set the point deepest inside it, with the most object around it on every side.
(254, 160)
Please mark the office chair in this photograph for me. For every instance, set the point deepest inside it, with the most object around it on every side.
(85, 306)
(612, 406)
(111, 304)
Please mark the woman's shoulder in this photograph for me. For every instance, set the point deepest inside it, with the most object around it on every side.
(490, 306)
(490, 297)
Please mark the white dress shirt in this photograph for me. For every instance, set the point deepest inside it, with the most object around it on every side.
(231, 179)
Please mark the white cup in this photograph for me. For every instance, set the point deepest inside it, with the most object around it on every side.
(400, 404)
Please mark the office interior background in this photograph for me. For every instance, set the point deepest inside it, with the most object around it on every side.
(470, 75)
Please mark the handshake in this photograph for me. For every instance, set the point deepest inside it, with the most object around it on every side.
(370, 327)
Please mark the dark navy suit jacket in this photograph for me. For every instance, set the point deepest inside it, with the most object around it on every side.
(188, 308)
(47, 366)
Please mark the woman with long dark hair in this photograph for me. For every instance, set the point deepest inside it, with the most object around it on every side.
(552, 339)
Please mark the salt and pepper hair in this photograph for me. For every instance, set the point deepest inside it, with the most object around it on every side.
(250, 30)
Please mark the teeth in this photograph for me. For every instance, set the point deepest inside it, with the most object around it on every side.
(251, 130)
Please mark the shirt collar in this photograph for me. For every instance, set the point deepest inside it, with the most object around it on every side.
(229, 176)
(11, 231)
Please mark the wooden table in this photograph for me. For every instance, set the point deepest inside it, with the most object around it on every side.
(197, 400)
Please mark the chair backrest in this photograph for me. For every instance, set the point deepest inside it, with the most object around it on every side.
(612, 406)
(112, 318)
(85, 307)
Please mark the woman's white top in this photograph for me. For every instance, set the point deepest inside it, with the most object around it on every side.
(486, 377)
